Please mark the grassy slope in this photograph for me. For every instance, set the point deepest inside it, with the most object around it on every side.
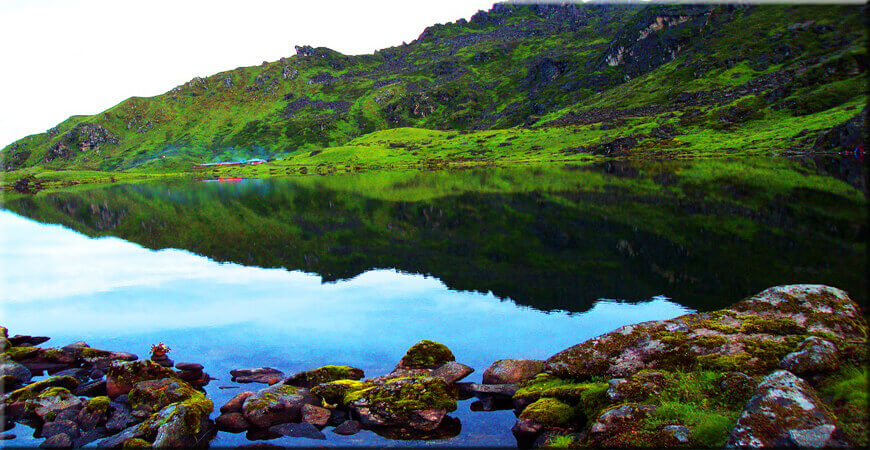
(492, 73)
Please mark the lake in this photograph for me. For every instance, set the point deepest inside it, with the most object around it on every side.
(296, 273)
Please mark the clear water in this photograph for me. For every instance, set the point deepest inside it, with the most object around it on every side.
(297, 274)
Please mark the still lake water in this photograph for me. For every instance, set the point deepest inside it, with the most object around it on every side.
(300, 273)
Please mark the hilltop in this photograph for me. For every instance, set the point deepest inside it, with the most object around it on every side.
(515, 83)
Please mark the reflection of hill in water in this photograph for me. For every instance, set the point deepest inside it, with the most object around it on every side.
(550, 238)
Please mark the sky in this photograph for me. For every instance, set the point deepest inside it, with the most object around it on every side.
(63, 58)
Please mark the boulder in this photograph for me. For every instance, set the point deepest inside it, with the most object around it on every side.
(315, 415)
(189, 366)
(426, 354)
(23, 340)
(347, 428)
(51, 402)
(265, 375)
(57, 441)
(418, 403)
(324, 374)
(276, 404)
(335, 392)
(611, 420)
(785, 411)
(66, 427)
(122, 376)
(154, 395)
(452, 372)
(814, 355)
(750, 337)
(512, 371)
(297, 430)
(235, 404)
(92, 388)
(33, 389)
(233, 422)
(15, 370)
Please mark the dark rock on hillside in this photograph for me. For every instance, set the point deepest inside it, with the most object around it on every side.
(83, 137)
(845, 137)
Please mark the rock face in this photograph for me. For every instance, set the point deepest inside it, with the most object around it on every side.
(512, 371)
(785, 411)
(781, 317)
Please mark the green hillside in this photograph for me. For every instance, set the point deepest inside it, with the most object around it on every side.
(516, 83)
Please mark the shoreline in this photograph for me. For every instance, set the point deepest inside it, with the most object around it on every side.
(641, 384)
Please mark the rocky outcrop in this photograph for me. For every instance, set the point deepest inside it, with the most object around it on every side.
(83, 137)
(661, 373)
(781, 317)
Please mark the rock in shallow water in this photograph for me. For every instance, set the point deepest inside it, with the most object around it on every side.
(347, 428)
(266, 375)
(276, 404)
(298, 430)
(512, 371)
(233, 422)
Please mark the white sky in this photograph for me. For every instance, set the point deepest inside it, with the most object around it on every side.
(61, 58)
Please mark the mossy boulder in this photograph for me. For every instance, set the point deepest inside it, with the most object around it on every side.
(751, 337)
(122, 376)
(426, 354)
(549, 412)
(154, 395)
(340, 392)
(52, 401)
(34, 389)
(324, 374)
(420, 403)
(814, 356)
(276, 404)
(786, 411)
(98, 404)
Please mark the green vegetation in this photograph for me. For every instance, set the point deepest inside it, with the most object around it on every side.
(516, 84)
(846, 392)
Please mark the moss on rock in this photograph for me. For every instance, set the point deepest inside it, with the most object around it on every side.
(340, 392)
(426, 354)
(549, 412)
(98, 404)
(325, 374)
(32, 390)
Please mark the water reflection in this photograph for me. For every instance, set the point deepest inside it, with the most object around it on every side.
(118, 295)
(548, 237)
